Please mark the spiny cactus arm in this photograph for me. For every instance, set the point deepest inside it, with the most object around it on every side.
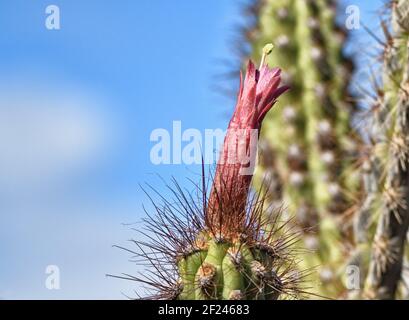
(342, 67)
(321, 116)
(295, 159)
(320, 107)
(331, 142)
(284, 130)
(388, 248)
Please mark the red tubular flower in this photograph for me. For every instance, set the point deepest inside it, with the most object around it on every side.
(227, 203)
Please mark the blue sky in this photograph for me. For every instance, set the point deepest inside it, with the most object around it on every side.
(77, 107)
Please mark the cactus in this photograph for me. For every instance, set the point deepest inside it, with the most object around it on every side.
(231, 243)
(308, 143)
(388, 162)
(218, 246)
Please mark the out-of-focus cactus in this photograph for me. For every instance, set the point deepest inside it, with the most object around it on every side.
(218, 246)
(307, 144)
(389, 162)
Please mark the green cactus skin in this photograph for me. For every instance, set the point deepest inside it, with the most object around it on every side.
(221, 270)
(390, 153)
(310, 133)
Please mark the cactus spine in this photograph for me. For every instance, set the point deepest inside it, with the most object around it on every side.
(390, 157)
(310, 134)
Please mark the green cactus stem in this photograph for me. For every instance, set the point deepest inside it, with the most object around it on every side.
(311, 145)
(392, 151)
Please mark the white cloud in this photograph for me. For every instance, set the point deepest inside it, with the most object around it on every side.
(48, 134)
